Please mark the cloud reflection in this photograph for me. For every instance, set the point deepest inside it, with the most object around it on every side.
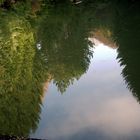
(98, 106)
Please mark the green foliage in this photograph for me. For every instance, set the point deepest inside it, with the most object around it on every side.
(19, 102)
(1, 2)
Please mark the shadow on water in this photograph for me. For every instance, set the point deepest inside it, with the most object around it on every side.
(62, 32)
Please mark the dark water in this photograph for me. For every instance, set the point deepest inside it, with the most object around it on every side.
(70, 72)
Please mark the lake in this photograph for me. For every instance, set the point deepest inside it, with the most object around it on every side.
(70, 71)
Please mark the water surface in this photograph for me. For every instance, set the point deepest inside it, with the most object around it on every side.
(98, 106)
(70, 72)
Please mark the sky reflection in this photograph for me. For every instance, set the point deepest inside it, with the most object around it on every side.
(98, 106)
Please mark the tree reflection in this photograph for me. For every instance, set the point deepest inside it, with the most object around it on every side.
(64, 56)
(126, 35)
(65, 46)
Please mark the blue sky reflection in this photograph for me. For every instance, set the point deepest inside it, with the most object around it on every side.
(98, 106)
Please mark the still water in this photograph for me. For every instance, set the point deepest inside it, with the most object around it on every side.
(70, 72)
(98, 106)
